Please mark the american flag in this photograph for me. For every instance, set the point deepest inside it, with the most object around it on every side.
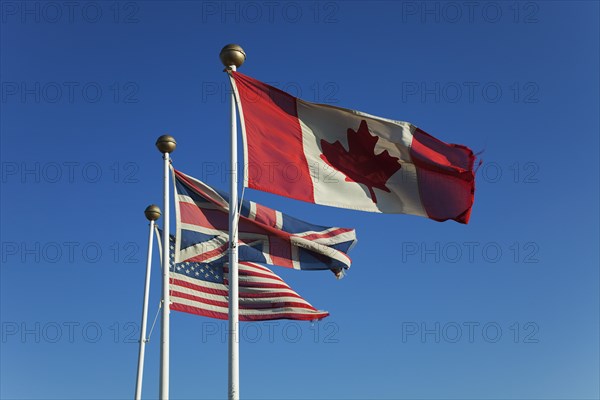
(202, 289)
(266, 236)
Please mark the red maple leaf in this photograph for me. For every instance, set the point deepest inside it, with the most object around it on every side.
(360, 164)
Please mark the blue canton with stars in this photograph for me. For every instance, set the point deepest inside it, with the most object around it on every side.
(195, 270)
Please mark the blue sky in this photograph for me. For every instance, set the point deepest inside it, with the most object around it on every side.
(505, 307)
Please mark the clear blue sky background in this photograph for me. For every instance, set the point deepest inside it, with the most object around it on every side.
(505, 307)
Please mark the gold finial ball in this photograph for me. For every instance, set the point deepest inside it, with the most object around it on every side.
(166, 144)
(232, 54)
(152, 212)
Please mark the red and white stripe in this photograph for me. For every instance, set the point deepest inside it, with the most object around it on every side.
(263, 296)
(282, 149)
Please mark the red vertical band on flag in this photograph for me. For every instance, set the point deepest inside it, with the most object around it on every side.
(276, 160)
(281, 252)
(444, 168)
(266, 215)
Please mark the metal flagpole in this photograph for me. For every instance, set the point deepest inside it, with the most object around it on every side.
(166, 144)
(152, 213)
(233, 56)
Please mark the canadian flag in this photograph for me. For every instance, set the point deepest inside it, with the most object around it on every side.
(345, 158)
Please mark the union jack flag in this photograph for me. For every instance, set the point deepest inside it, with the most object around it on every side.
(265, 236)
(203, 289)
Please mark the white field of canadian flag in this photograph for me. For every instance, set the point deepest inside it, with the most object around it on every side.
(344, 158)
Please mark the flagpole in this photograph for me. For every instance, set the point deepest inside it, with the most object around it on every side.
(166, 144)
(232, 56)
(152, 213)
